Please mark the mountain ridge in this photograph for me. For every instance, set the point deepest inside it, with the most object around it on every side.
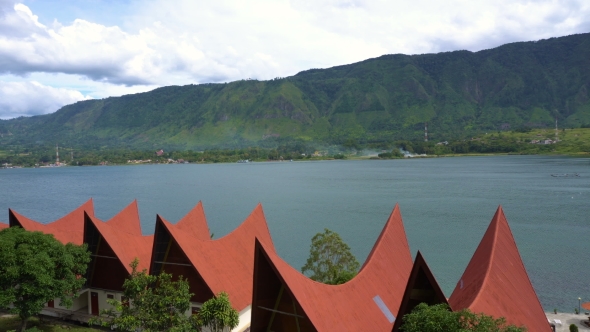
(459, 93)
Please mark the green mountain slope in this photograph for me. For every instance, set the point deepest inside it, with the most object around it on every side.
(458, 93)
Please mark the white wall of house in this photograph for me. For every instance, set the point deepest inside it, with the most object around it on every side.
(102, 299)
(78, 302)
(245, 316)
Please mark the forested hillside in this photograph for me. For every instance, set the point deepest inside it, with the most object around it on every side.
(462, 93)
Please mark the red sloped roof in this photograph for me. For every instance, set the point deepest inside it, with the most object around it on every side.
(3, 225)
(127, 220)
(496, 283)
(123, 234)
(195, 223)
(353, 306)
(69, 228)
(226, 264)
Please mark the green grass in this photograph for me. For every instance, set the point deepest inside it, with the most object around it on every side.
(571, 141)
(13, 323)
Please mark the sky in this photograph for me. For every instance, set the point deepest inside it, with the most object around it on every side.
(57, 52)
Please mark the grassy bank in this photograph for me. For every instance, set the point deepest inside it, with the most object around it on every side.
(10, 322)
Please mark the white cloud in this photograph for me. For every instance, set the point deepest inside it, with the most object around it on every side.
(186, 41)
(32, 98)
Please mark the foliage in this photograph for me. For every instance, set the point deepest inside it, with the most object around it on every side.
(459, 94)
(330, 260)
(34, 324)
(217, 314)
(36, 268)
(394, 154)
(439, 318)
(151, 303)
(573, 328)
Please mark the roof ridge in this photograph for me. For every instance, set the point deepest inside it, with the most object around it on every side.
(513, 241)
(495, 224)
(394, 217)
(132, 225)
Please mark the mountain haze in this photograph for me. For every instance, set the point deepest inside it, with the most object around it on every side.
(390, 97)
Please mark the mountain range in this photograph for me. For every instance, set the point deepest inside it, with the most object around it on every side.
(458, 94)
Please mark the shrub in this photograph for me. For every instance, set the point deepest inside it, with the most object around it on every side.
(573, 328)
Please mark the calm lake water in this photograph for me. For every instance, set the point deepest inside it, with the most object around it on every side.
(446, 204)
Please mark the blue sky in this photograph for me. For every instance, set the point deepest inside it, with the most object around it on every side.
(54, 53)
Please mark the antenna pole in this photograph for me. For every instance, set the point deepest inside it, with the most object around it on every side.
(556, 131)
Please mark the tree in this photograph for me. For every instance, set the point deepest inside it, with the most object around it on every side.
(217, 314)
(439, 318)
(330, 260)
(151, 303)
(36, 268)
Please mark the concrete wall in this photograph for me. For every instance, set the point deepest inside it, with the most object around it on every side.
(78, 302)
(102, 299)
(245, 316)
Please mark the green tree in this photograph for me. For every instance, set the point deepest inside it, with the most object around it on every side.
(439, 318)
(36, 268)
(151, 303)
(330, 260)
(217, 314)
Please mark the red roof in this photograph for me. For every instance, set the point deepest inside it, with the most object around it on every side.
(362, 304)
(225, 264)
(496, 283)
(195, 223)
(3, 225)
(127, 220)
(123, 235)
(69, 228)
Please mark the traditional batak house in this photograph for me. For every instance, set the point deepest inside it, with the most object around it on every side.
(271, 295)
(212, 265)
(286, 300)
(496, 283)
(113, 246)
(69, 228)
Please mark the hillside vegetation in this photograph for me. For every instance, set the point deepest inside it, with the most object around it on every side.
(460, 94)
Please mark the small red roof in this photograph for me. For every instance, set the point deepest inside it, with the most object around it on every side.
(123, 234)
(496, 283)
(3, 225)
(225, 264)
(368, 302)
(69, 228)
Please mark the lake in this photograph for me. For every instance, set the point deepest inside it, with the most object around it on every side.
(446, 204)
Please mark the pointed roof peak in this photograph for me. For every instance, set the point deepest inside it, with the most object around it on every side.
(127, 220)
(126, 245)
(68, 228)
(195, 223)
(496, 282)
(367, 302)
(393, 233)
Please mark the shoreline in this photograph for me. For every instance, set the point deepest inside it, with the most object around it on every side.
(371, 157)
(567, 319)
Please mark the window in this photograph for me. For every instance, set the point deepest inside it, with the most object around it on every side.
(110, 296)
